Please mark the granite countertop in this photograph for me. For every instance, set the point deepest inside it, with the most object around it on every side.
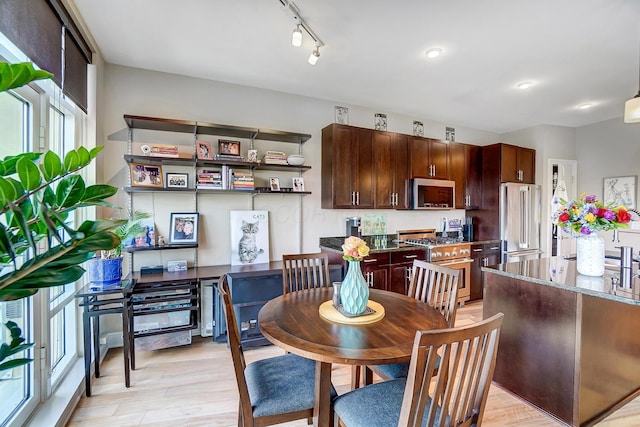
(377, 244)
(561, 273)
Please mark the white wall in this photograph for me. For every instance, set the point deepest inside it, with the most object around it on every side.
(146, 93)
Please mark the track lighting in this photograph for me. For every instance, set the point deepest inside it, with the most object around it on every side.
(632, 110)
(296, 37)
(313, 58)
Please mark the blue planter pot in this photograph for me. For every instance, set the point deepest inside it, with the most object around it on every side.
(104, 271)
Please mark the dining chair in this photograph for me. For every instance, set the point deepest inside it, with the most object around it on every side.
(274, 390)
(305, 271)
(435, 285)
(455, 395)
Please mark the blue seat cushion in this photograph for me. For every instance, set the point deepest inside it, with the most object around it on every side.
(396, 370)
(376, 405)
(281, 384)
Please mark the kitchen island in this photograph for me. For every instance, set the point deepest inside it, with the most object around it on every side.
(569, 343)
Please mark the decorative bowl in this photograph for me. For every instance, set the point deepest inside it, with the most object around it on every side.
(295, 160)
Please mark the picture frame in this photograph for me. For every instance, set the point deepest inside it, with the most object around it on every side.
(274, 183)
(204, 150)
(620, 190)
(418, 128)
(146, 238)
(184, 228)
(145, 175)
(177, 180)
(342, 115)
(229, 148)
(249, 237)
(252, 156)
(380, 121)
(298, 183)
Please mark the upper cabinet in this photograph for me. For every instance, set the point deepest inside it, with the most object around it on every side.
(517, 164)
(465, 168)
(391, 166)
(347, 167)
(429, 158)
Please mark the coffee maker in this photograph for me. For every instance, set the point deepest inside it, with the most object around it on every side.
(354, 226)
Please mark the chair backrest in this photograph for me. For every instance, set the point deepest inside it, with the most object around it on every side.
(455, 394)
(437, 286)
(305, 271)
(233, 337)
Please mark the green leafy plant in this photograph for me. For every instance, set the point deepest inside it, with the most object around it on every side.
(38, 193)
(126, 232)
(16, 345)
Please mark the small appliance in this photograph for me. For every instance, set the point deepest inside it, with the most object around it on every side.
(354, 226)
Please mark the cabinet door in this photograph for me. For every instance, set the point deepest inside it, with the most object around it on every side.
(439, 156)
(419, 163)
(361, 165)
(376, 270)
(399, 278)
(475, 272)
(384, 169)
(509, 163)
(400, 162)
(527, 165)
(473, 163)
(458, 173)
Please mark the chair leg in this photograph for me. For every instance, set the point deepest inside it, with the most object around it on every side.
(355, 376)
(240, 423)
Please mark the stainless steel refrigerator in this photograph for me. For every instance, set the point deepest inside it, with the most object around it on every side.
(520, 221)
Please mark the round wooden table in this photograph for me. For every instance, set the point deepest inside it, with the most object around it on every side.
(293, 322)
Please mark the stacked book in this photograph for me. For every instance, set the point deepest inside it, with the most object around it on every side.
(231, 157)
(242, 181)
(275, 158)
(210, 180)
(161, 150)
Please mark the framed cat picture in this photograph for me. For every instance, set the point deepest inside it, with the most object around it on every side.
(184, 228)
(249, 237)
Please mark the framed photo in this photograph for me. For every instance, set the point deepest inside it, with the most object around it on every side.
(143, 175)
(177, 180)
(380, 121)
(620, 190)
(342, 115)
(252, 156)
(146, 238)
(184, 228)
(418, 128)
(203, 150)
(249, 237)
(298, 183)
(274, 184)
(229, 148)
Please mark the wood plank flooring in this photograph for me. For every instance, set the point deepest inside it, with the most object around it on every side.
(195, 386)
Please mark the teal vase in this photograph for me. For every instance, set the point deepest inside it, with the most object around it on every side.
(354, 291)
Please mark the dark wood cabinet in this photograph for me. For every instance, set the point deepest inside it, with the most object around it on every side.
(517, 164)
(391, 157)
(347, 167)
(429, 158)
(465, 168)
(400, 269)
(375, 269)
(483, 254)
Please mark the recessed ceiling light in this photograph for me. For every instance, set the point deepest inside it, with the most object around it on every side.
(584, 106)
(434, 53)
(524, 85)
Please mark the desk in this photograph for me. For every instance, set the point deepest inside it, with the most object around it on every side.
(96, 302)
(292, 322)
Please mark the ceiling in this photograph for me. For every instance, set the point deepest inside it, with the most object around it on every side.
(574, 51)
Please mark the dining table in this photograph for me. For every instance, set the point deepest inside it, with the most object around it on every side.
(297, 323)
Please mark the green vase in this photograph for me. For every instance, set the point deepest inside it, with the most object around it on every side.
(354, 291)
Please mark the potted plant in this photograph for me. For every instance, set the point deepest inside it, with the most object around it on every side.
(38, 193)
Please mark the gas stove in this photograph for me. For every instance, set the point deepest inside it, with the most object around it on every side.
(439, 249)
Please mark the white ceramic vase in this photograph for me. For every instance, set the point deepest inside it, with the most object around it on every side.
(590, 255)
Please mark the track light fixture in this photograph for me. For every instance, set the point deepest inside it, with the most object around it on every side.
(632, 109)
(296, 36)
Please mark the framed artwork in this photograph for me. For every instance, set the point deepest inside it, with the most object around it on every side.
(620, 190)
(203, 150)
(229, 148)
(450, 134)
(298, 183)
(380, 121)
(418, 128)
(143, 175)
(274, 184)
(146, 238)
(177, 180)
(249, 237)
(342, 115)
(184, 228)
(252, 156)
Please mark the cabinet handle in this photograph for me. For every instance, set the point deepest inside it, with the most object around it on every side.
(495, 247)
(477, 250)
(410, 256)
(370, 260)
(395, 202)
(409, 274)
(357, 198)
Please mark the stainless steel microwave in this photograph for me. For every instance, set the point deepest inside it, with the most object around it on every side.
(433, 194)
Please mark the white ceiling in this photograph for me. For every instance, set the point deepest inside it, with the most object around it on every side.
(575, 51)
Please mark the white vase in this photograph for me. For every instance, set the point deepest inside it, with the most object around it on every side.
(590, 255)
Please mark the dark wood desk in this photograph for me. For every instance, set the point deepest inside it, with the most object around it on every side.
(97, 301)
(293, 322)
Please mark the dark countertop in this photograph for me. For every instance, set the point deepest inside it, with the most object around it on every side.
(377, 244)
(561, 273)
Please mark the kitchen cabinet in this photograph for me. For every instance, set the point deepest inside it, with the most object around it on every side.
(483, 254)
(401, 268)
(391, 157)
(347, 167)
(429, 158)
(517, 164)
(465, 169)
(375, 269)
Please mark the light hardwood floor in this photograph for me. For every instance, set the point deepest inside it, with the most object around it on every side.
(195, 386)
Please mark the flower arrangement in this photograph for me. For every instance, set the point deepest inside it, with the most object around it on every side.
(587, 215)
(354, 249)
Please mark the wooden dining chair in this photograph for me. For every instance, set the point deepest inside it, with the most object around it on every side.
(305, 271)
(455, 395)
(435, 285)
(274, 390)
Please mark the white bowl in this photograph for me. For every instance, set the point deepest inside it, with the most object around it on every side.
(295, 160)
